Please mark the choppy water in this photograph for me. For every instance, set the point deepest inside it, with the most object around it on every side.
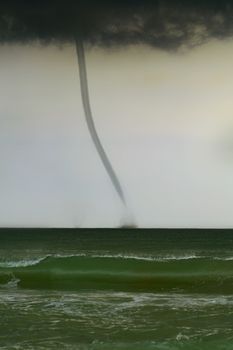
(111, 289)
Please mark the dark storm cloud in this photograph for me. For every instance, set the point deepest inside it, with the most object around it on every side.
(166, 23)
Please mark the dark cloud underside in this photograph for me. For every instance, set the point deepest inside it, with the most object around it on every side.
(166, 24)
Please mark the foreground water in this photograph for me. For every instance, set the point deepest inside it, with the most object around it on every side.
(116, 289)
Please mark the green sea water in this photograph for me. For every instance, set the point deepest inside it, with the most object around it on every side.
(116, 289)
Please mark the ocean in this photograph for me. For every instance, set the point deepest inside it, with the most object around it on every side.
(92, 289)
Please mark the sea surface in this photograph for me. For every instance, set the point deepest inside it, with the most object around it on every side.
(116, 289)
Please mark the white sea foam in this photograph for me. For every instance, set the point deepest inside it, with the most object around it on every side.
(181, 337)
(166, 258)
(224, 259)
(180, 257)
(22, 263)
(147, 258)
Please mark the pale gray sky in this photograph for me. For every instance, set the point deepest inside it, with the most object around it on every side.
(165, 119)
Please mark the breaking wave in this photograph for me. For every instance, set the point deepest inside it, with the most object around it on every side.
(121, 272)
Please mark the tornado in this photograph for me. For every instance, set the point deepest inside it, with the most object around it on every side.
(90, 121)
